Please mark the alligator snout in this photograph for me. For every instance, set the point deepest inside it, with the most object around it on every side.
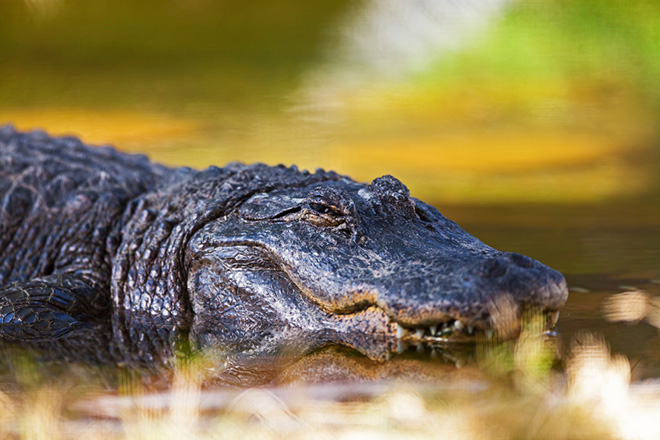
(468, 290)
(491, 268)
(528, 282)
(495, 267)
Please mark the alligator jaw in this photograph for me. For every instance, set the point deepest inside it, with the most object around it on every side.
(377, 335)
(457, 331)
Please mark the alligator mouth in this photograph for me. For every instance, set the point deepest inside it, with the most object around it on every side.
(457, 331)
(370, 328)
(376, 334)
(502, 318)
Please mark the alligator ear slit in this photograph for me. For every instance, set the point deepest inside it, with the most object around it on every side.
(423, 215)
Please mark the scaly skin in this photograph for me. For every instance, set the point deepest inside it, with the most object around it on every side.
(247, 258)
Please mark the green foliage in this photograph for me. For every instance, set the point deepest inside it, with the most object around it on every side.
(616, 44)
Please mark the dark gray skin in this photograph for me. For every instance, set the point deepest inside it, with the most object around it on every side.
(110, 247)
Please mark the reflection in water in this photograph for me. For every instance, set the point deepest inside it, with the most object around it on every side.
(441, 365)
(93, 346)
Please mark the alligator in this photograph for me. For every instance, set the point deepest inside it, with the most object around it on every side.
(249, 258)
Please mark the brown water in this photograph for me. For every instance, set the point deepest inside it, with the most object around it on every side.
(603, 250)
(538, 140)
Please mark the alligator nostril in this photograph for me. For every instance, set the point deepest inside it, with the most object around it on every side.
(491, 268)
(521, 260)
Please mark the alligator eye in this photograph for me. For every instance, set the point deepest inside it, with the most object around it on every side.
(326, 209)
(322, 213)
(328, 206)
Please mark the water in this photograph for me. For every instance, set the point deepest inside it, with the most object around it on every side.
(538, 139)
(603, 251)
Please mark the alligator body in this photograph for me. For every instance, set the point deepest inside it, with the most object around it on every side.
(246, 257)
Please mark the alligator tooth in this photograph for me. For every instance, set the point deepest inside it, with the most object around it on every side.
(459, 325)
(401, 346)
(489, 334)
(400, 331)
(420, 333)
(470, 329)
(420, 347)
(434, 330)
(554, 317)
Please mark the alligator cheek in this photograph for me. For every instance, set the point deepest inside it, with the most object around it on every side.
(250, 309)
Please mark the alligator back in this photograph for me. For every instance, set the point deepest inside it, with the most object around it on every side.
(59, 202)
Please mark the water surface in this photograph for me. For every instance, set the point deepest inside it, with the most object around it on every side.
(532, 124)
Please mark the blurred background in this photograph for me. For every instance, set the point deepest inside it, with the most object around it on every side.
(467, 102)
(533, 124)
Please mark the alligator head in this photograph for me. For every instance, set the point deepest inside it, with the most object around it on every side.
(362, 265)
